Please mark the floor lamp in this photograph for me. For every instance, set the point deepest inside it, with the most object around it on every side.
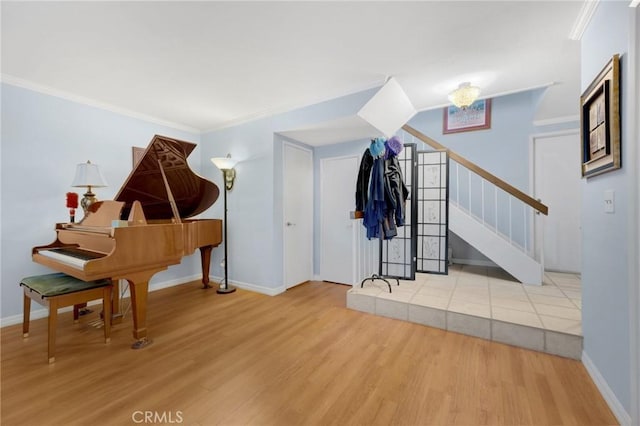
(226, 164)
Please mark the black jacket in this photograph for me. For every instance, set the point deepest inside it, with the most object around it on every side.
(362, 185)
(395, 190)
(395, 195)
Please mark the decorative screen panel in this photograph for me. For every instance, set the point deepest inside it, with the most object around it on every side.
(432, 211)
(397, 256)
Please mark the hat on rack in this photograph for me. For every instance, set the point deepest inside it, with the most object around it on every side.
(377, 147)
(395, 146)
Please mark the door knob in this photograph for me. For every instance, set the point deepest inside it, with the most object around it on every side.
(290, 224)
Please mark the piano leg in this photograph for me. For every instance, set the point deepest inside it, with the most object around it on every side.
(116, 315)
(205, 258)
(139, 288)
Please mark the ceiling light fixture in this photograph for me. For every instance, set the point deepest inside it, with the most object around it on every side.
(464, 95)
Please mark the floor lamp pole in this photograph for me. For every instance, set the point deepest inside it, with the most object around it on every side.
(226, 288)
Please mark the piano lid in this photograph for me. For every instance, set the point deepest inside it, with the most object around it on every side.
(192, 193)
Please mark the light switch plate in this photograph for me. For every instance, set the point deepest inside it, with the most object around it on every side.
(609, 201)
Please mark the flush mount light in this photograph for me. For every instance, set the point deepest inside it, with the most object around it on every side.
(464, 95)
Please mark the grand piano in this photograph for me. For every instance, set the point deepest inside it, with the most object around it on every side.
(143, 231)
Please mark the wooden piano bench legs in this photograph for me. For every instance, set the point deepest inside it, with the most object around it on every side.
(59, 290)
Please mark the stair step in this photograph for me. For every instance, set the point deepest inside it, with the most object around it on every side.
(376, 301)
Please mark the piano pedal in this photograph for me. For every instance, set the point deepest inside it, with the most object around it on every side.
(141, 343)
(84, 311)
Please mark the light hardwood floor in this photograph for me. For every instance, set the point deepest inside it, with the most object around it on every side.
(300, 358)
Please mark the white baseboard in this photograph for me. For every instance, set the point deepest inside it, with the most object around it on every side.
(269, 291)
(614, 404)
(43, 312)
(474, 262)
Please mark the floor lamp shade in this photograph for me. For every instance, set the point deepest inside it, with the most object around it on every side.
(226, 164)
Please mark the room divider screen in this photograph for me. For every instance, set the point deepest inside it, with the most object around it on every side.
(421, 244)
(433, 212)
(397, 256)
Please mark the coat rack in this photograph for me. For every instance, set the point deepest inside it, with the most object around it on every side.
(380, 277)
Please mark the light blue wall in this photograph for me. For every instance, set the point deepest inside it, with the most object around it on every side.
(255, 223)
(52, 128)
(503, 150)
(508, 138)
(605, 237)
(43, 138)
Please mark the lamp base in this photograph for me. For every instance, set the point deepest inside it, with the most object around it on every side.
(225, 290)
(86, 202)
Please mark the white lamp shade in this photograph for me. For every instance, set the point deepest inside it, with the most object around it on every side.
(88, 174)
(389, 109)
(224, 163)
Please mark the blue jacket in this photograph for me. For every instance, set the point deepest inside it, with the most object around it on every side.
(381, 194)
(376, 208)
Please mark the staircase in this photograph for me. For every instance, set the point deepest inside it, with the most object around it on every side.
(492, 216)
(490, 243)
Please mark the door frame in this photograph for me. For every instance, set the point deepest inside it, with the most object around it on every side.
(286, 144)
(633, 69)
(536, 231)
(354, 266)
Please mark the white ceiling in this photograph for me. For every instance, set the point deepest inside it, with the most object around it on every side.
(205, 65)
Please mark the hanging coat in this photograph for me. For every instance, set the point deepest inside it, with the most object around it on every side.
(362, 185)
(396, 190)
(376, 208)
(380, 190)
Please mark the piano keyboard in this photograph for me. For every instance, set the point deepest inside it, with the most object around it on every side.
(71, 255)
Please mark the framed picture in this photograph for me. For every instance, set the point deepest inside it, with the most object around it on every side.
(477, 116)
(600, 122)
(137, 154)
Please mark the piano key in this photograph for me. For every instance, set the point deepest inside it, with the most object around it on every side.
(71, 256)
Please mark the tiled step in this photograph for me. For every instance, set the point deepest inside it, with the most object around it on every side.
(510, 315)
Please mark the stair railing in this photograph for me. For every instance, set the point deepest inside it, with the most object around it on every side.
(490, 200)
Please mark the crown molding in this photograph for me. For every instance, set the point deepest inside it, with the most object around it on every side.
(584, 17)
(275, 111)
(46, 90)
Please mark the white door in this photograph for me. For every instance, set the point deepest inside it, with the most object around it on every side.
(337, 230)
(557, 182)
(298, 215)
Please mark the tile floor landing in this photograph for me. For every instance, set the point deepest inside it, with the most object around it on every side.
(486, 303)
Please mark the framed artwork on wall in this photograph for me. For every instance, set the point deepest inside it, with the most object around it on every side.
(600, 122)
(477, 116)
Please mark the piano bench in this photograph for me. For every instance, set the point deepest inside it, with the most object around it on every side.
(59, 290)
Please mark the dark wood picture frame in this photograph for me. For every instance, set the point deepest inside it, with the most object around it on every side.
(600, 122)
(475, 117)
